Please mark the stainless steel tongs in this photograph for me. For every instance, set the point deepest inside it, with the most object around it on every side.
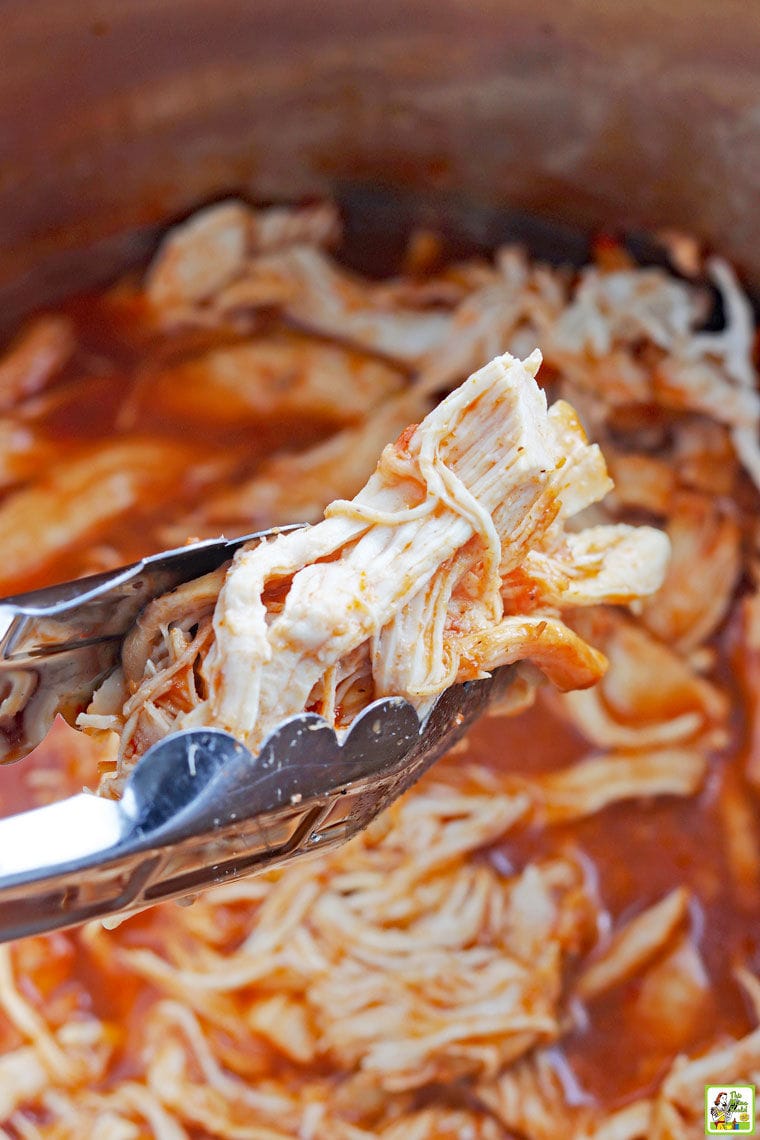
(199, 808)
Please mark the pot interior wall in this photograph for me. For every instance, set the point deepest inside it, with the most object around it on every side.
(116, 116)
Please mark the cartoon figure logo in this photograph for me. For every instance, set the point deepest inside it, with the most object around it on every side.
(729, 1109)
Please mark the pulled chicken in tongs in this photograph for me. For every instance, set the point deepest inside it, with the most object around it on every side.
(458, 556)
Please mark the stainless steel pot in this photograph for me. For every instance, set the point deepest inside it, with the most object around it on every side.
(116, 114)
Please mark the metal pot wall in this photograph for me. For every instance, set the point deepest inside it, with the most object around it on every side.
(116, 115)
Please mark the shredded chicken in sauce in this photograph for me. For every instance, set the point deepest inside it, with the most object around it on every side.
(454, 559)
(554, 934)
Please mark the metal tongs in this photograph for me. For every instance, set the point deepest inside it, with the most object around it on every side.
(199, 809)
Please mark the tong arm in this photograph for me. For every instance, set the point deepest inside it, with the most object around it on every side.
(200, 809)
(58, 644)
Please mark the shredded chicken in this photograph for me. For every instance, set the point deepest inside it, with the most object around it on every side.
(635, 945)
(211, 250)
(551, 936)
(407, 588)
(267, 377)
(35, 359)
(296, 488)
(96, 484)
